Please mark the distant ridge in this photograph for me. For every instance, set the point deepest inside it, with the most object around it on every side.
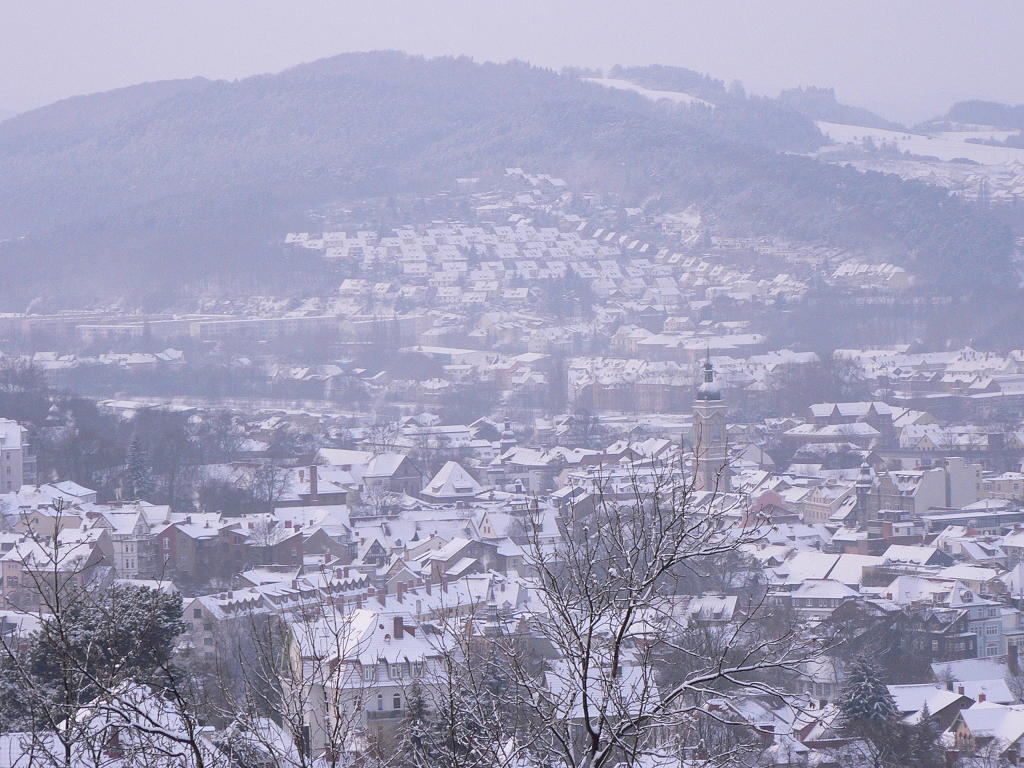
(993, 113)
(821, 104)
(161, 187)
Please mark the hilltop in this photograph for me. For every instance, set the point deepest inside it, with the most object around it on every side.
(991, 113)
(186, 185)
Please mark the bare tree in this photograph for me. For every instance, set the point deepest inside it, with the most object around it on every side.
(73, 688)
(266, 483)
(377, 499)
(381, 437)
(584, 682)
(292, 687)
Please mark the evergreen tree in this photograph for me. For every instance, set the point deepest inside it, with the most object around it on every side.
(866, 700)
(868, 713)
(98, 640)
(125, 632)
(414, 740)
(923, 746)
(140, 473)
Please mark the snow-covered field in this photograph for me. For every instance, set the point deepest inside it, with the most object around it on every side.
(990, 134)
(943, 146)
(653, 95)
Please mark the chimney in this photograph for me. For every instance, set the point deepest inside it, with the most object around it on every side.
(312, 483)
(949, 686)
(400, 591)
(427, 585)
(960, 690)
(981, 697)
(399, 630)
(444, 583)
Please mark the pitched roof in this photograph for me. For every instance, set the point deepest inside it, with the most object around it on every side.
(452, 481)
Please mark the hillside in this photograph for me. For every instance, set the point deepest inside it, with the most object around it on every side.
(821, 104)
(993, 113)
(186, 185)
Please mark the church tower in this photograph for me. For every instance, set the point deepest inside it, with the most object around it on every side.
(863, 490)
(709, 443)
(508, 438)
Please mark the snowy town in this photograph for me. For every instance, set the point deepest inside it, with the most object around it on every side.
(446, 387)
(392, 504)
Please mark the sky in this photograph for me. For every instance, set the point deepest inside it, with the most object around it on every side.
(907, 59)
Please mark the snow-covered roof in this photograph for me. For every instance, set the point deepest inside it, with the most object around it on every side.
(452, 481)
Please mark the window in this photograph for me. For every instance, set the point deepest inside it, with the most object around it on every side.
(396, 702)
(197, 613)
(380, 702)
(992, 629)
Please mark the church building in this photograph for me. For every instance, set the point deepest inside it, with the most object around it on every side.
(711, 456)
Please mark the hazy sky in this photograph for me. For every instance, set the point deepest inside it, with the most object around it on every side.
(908, 59)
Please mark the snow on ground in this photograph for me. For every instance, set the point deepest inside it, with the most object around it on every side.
(991, 134)
(653, 95)
(942, 146)
(687, 219)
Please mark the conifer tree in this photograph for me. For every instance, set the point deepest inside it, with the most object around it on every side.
(866, 700)
(140, 473)
(868, 713)
(415, 749)
(923, 745)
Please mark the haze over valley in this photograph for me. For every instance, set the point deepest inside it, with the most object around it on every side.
(511, 387)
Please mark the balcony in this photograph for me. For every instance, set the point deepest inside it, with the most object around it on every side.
(385, 714)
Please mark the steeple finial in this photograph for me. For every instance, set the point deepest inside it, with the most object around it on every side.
(709, 389)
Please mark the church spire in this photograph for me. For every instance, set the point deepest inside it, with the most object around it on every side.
(709, 389)
(711, 458)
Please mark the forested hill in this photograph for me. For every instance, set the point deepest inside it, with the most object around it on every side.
(186, 184)
(822, 104)
(1007, 116)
